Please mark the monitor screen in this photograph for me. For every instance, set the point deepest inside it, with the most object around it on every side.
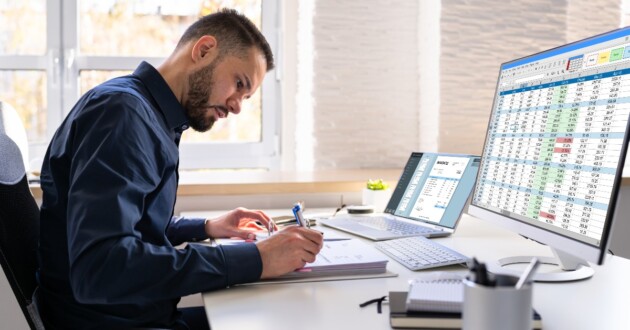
(555, 144)
(434, 188)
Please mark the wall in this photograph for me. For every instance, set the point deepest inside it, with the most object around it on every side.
(477, 36)
(619, 244)
(375, 65)
(587, 17)
(365, 84)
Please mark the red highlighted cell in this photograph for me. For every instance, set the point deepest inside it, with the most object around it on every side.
(561, 150)
(547, 215)
(564, 140)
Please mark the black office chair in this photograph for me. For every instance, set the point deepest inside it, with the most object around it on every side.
(19, 229)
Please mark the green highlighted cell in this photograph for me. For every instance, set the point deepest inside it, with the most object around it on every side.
(533, 207)
(616, 54)
(559, 94)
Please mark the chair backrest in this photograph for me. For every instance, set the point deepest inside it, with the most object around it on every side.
(19, 227)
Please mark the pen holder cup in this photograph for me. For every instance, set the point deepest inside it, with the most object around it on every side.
(497, 307)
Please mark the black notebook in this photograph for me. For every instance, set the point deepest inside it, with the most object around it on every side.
(400, 318)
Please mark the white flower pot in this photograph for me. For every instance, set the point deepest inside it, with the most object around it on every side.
(377, 198)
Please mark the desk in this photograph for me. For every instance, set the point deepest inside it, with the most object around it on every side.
(602, 302)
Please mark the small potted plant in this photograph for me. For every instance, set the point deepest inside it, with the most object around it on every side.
(376, 193)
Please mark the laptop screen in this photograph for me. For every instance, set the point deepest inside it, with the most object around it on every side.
(434, 188)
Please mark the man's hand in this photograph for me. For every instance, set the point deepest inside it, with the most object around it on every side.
(239, 222)
(288, 250)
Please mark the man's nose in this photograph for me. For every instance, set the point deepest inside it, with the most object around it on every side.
(234, 105)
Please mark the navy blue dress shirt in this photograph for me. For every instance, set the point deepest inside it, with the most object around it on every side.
(109, 181)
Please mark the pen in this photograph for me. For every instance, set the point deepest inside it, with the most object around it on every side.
(297, 211)
(528, 273)
(270, 228)
(480, 273)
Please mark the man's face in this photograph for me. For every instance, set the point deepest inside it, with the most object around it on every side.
(220, 87)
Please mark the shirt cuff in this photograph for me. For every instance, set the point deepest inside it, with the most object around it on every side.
(183, 229)
(243, 263)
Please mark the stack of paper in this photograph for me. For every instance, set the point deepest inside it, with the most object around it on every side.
(343, 257)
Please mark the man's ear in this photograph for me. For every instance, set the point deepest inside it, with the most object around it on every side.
(205, 49)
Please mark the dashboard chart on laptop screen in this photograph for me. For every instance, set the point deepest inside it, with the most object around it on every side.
(555, 137)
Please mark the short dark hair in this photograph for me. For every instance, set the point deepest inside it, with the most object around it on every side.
(234, 32)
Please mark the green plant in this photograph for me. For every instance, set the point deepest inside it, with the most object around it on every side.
(377, 184)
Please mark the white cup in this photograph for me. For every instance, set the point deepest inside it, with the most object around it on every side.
(497, 307)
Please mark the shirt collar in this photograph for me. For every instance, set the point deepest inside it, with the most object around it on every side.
(166, 101)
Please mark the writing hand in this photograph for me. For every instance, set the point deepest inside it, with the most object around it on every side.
(288, 250)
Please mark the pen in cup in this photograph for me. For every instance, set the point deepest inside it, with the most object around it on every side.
(528, 273)
(480, 273)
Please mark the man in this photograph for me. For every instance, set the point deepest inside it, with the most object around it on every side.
(109, 181)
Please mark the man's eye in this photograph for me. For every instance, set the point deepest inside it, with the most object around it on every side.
(239, 84)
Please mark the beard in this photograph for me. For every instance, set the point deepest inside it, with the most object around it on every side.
(196, 106)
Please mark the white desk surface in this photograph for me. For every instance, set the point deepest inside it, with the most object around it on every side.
(602, 302)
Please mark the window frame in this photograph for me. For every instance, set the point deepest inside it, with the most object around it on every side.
(63, 64)
(49, 63)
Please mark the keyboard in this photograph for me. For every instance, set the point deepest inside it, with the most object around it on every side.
(419, 252)
(392, 226)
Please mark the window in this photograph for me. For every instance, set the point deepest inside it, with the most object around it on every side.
(23, 75)
(46, 67)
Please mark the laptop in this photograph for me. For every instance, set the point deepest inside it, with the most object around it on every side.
(429, 199)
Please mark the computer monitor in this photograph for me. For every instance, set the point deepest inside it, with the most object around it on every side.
(555, 149)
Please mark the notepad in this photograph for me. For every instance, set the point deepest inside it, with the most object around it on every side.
(436, 292)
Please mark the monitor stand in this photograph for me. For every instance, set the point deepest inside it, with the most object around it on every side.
(573, 268)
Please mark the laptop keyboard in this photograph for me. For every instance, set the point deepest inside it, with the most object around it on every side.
(419, 252)
(392, 226)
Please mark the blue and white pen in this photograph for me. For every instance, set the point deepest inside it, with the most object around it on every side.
(297, 212)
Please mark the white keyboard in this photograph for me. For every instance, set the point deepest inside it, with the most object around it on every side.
(392, 226)
(419, 252)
